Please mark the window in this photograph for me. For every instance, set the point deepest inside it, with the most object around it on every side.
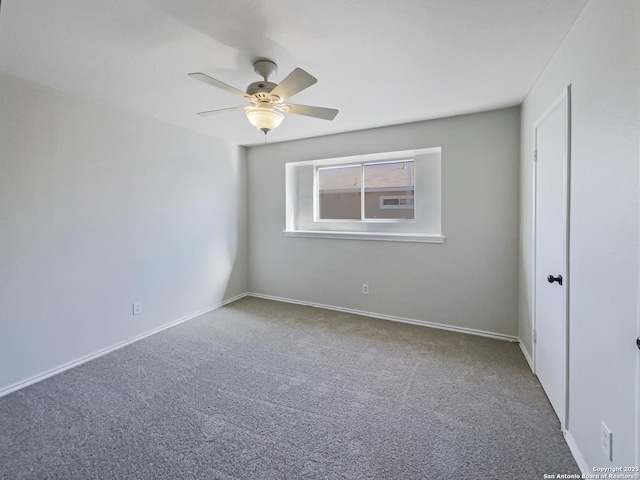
(382, 196)
(381, 191)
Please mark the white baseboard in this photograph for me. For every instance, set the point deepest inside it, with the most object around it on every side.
(577, 455)
(104, 351)
(526, 354)
(393, 318)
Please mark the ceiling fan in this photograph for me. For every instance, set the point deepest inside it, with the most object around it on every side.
(267, 99)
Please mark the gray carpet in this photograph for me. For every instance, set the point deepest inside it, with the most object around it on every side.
(267, 390)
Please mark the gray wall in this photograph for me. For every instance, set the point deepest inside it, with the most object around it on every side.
(100, 208)
(601, 59)
(470, 281)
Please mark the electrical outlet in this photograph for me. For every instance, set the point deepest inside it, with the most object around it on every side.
(365, 288)
(137, 308)
(606, 441)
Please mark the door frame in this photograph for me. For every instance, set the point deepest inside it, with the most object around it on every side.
(637, 462)
(564, 99)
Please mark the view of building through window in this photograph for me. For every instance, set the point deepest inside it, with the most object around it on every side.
(368, 191)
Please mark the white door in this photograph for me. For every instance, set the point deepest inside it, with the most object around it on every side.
(551, 253)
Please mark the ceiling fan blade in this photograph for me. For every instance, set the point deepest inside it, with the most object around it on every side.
(220, 110)
(217, 83)
(317, 112)
(293, 83)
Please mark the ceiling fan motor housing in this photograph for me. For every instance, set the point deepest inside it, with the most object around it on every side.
(261, 89)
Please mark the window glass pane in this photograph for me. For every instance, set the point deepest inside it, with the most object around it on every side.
(339, 192)
(389, 190)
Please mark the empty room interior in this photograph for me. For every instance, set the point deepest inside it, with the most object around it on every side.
(423, 265)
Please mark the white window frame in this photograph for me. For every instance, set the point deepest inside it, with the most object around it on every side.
(362, 219)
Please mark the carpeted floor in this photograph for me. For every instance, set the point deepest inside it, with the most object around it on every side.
(267, 390)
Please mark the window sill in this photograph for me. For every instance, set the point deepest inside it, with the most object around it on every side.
(385, 237)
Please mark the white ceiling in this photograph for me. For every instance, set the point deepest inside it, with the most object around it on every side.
(380, 62)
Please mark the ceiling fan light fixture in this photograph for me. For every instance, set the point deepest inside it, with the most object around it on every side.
(264, 118)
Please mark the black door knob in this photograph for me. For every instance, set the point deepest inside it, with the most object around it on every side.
(638, 342)
(552, 279)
